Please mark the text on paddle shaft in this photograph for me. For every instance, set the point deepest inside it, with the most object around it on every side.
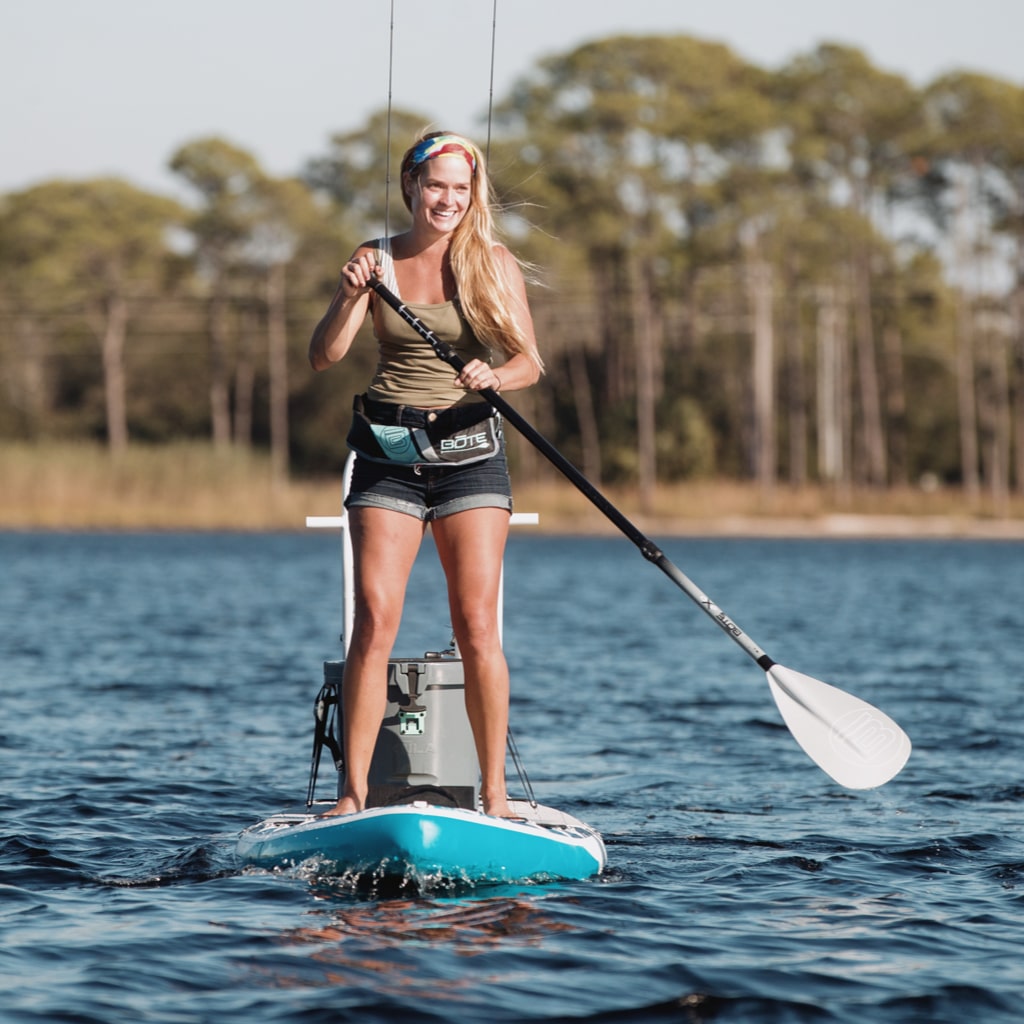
(721, 618)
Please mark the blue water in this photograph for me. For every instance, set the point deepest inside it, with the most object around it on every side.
(156, 695)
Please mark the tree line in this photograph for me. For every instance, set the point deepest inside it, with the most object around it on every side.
(809, 274)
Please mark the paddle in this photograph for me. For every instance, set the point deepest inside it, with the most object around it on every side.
(853, 742)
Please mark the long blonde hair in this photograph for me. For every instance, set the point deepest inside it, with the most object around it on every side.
(482, 278)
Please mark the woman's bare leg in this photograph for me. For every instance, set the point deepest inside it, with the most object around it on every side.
(471, 546)
(384, 546)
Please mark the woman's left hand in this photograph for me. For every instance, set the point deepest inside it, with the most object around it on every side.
(478, 376)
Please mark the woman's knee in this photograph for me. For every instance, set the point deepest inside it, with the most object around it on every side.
(376, 626)
(477, 633)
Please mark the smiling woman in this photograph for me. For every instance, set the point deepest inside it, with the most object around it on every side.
(429, 447)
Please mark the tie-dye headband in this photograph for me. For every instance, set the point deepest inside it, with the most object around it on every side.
(436, 146)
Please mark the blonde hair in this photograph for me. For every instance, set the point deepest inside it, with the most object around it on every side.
(483, 280)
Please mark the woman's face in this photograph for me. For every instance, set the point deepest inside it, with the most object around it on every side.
(441, 194)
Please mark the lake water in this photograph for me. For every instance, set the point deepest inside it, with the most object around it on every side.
(156, 695)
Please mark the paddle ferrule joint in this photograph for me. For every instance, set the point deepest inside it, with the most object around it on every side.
(650, 551)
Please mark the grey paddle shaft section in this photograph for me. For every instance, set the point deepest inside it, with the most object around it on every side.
(647, 547)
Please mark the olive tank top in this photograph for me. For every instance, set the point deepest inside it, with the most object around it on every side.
(408, 370)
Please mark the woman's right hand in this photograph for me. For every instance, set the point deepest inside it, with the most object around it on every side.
(357, 274)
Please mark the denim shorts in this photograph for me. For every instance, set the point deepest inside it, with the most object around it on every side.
(431, 492)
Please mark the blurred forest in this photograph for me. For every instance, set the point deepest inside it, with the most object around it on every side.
(812, 275)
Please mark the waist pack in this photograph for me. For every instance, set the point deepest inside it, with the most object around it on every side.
(383, 432)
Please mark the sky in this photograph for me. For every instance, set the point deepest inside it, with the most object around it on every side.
(113, 87)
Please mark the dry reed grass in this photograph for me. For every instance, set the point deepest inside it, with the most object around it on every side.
(725, 507)
(192, 486)
(177, 486)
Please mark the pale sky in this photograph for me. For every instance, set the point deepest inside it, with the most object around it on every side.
(113, 87)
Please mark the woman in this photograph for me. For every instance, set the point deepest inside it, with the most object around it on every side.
(470, 291)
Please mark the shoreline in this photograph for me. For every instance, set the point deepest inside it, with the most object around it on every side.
(191, 487)
(836, 526)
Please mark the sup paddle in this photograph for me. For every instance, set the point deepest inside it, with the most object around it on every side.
(851, 741)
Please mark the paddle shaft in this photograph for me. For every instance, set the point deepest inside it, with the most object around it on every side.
(647, 547)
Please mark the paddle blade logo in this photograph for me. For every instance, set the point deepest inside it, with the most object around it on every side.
(853, 742)
(867, 737)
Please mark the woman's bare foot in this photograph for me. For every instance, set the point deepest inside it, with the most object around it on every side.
(498, 807)
(346, 805)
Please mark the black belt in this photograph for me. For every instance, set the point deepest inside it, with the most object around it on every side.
(390, 414)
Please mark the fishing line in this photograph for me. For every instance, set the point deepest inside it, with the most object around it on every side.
(387, 144)
(490, 97)
(391, 76)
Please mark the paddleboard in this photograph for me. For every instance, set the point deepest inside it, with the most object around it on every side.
(419, 840)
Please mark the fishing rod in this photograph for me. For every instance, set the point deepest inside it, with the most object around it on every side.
(854, 743)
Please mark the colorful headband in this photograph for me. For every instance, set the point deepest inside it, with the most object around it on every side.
(436, 146)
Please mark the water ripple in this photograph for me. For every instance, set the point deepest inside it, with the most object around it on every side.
(157, 695)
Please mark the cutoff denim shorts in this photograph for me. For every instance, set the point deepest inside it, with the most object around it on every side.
(431, 492)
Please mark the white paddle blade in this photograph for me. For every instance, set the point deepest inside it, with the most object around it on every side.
(853, 742)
